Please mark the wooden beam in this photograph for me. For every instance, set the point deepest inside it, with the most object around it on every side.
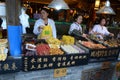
(13, 11)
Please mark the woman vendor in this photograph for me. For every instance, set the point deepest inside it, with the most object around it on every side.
(76, 24)
(100, 30)
(44, 21)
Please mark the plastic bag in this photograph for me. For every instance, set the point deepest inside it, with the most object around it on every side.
(24, 20)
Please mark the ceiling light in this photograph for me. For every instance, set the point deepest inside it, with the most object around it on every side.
(97, 4)
(106, 9)
(58, 4)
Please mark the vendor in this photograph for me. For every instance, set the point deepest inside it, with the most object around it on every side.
(44, 21)
(76, 24)
(100, 30)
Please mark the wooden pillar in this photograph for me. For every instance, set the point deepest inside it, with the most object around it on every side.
(13, 11)
(92, 16)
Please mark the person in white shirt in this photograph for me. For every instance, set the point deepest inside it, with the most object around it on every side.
(100, 30)
(76, 25)
(44, 21)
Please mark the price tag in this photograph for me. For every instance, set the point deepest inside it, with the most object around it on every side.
(60, 72)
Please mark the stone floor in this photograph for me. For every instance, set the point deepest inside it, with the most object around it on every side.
(73, 73)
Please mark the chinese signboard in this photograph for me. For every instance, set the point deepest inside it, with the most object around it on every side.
(10, 66)
(110, 54)
(53, 62)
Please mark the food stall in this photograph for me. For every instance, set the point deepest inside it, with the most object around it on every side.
(64, 58)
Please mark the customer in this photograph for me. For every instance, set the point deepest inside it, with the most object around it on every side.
(44, 21)
(100, 30)
(76, 24)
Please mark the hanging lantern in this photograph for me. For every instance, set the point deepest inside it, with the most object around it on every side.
(106, 9)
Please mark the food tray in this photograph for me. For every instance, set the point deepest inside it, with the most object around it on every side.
(76, 49)
(98, 55)
(103, 43)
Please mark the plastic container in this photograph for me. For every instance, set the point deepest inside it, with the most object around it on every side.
(15, 40)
